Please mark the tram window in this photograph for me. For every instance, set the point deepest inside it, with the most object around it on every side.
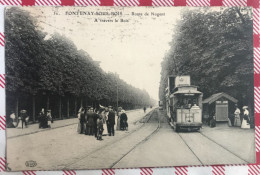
(188, 102)
(183, 101)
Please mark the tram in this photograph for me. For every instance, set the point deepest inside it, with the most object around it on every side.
(183, 104)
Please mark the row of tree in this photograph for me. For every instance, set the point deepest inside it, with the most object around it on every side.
(40, 67)
(214, 47)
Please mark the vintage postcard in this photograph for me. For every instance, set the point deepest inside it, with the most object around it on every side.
(128, 87)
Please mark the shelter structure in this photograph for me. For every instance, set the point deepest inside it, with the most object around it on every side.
(220, 105)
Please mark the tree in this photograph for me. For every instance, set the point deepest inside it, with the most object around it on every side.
(216, 49)
(53, 67)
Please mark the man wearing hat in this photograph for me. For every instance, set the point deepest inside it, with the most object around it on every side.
(111, 121)
(90, 121)
(23, 117)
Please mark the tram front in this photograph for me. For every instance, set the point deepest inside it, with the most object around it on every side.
(186, 110)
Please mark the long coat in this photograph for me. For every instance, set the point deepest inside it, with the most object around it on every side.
(111, 118)
(90, 119)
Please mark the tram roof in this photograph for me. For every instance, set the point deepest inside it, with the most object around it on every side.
(187, 90)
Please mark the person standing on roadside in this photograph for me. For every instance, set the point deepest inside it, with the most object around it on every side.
(144, 109)
(237, 121)
(246, 119)
(22, 119)
(111, 121)
(90, 121)
(105, 117)
(118, 123)
(49, 118)
(81, 117)
(43, 121)
(124, 125)
(100, 124)
(11, 121)
(95, 118)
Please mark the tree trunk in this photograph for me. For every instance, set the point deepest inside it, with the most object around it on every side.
(48, 103)
(81, 102)
(33, 108)
(75, 110)
(16, 107)
(68, 107)
(60, 115)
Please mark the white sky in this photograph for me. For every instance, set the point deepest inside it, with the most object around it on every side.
(134, 50)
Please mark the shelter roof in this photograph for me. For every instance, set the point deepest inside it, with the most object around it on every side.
(217, 96)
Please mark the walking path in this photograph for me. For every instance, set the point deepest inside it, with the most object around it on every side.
(58, 148)
(34, 128)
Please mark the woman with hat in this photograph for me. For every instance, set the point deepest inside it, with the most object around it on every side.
(22, 119)
(246, 120)
(43, 121)
(100, 124)
(104, 113)
(49, 117)
(237, 121)
(81, 124)
(118, 123)
(123, 124)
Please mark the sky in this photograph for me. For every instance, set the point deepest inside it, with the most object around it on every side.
(133, 49)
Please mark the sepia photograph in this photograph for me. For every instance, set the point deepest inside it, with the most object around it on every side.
(128, 87)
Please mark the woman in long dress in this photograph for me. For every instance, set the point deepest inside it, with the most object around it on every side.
(22, 119)
(245, 122)
(81, 124)
(118, 118)
(49, 117)
(124, 124)
(90, 121)
(237, 121)
(100, 127)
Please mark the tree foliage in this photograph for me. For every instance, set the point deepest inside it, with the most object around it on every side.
(54, 66)
(216, 49)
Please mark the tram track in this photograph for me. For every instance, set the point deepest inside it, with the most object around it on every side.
(224, 148)
(182, 135)
(190, 148)
(145, 120)
(142, 142)
(211, 140)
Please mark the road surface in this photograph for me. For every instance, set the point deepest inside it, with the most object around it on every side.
(150, 142)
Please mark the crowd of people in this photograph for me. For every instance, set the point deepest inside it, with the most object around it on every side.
(20, 122)
(91, 122)
(44, 118)
(101, 122)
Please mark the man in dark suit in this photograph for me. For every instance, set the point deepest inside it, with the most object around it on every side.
(96, 116)
(90, 121)
(111, 121)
